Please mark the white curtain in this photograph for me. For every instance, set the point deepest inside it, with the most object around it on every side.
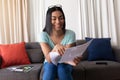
(117, 20)
(37, 17)
(97, 19)
(22, 20)
(13, 21)
(100, 19)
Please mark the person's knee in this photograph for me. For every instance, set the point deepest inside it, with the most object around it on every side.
(64, 68)
(64, 72)
(49, 67)
(49, 71)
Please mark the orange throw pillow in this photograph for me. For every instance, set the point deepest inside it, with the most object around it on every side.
(13, 54)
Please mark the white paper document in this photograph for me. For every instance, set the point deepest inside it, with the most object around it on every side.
(69, 54)
(55, 57)
(74, 52)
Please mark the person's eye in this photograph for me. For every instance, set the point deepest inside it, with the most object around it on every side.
(53, 18)
(61, 18)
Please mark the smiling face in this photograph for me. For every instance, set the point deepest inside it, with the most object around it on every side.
(57, 20)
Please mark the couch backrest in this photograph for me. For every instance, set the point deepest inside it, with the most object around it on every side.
(36, 55)
(116, 51)
(34, 52)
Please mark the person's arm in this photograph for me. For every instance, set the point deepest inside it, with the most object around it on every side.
(43, 39)
(61, 48)
(57, 48)
(70, 45)
(46, 49)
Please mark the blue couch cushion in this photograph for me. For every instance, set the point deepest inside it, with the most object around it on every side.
(100, 49)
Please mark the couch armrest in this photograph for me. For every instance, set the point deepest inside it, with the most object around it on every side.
(116, 51)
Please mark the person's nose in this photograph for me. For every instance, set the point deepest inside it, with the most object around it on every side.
(57, 20)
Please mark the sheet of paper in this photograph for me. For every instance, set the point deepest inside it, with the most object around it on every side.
(55, 57)
(74, 52)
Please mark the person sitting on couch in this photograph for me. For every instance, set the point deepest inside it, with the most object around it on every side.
(55, 38)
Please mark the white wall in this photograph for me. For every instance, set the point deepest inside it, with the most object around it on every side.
(71, 10)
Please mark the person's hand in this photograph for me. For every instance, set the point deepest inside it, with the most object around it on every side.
(77, 60)
(59, 48)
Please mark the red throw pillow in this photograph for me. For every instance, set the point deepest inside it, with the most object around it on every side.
(13, 54)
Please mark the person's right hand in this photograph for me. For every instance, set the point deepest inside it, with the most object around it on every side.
(77, 60)
(59, 48)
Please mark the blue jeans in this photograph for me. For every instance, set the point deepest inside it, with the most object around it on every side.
(62, 71)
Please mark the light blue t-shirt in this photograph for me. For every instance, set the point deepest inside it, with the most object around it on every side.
(68, 38)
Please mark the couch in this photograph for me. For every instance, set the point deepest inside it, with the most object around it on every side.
(85, 70)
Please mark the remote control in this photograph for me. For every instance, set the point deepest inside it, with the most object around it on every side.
(101, 63)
